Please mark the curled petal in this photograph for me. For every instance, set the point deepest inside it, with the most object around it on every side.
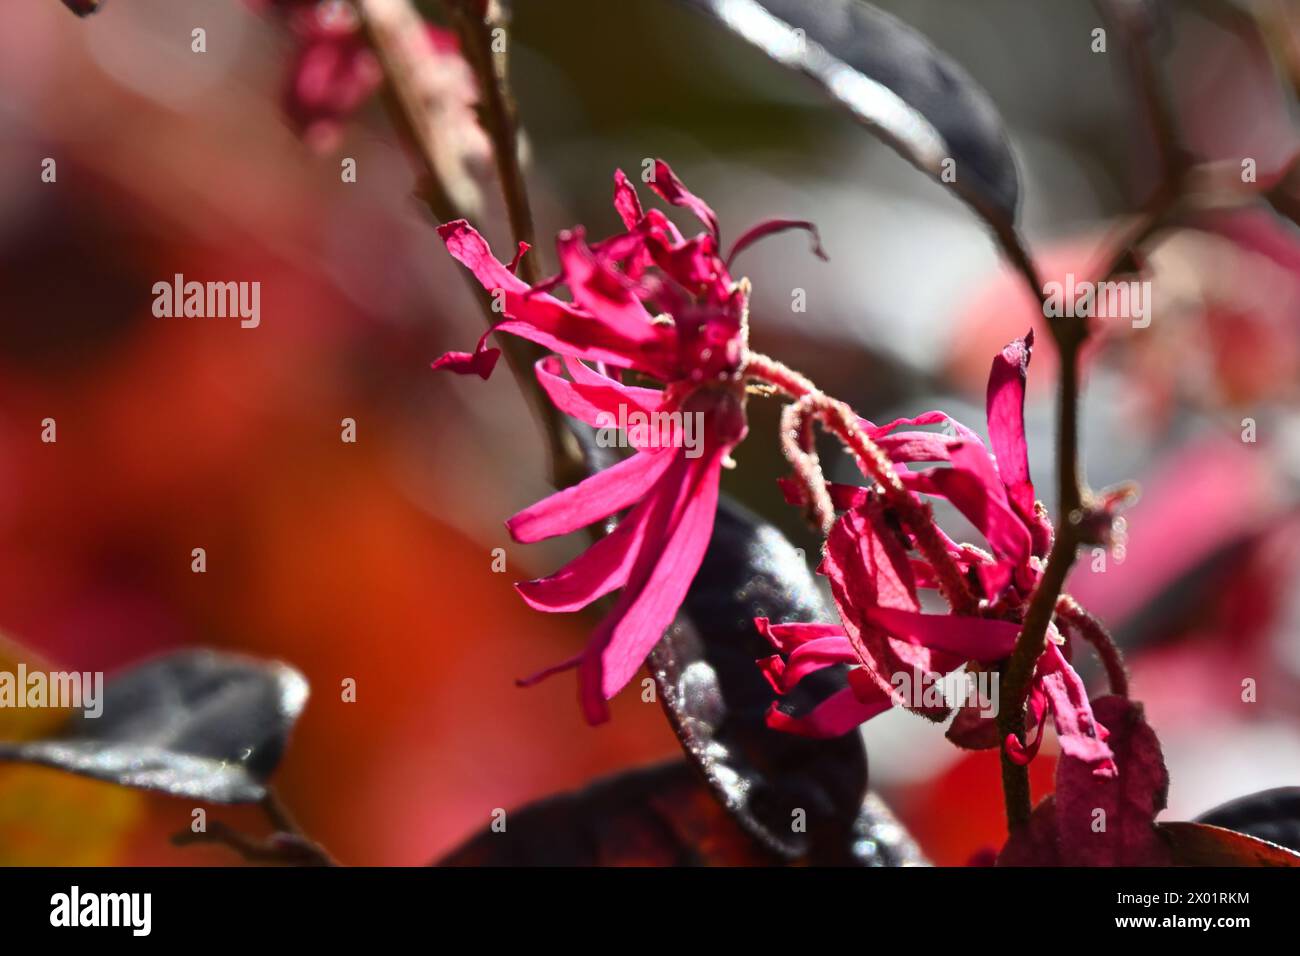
(815, 655)
(513, 267)
(471, 250)
(626, 202)
(1006, 416)
(671, 190)
(1082, 738)
(786, 637)
(644, 399)
(836, 715)
(772, 227)
(973, 487)
(480, 362)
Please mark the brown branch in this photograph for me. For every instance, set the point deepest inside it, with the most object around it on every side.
(287, 846)
(479, 25)
(1074, 524)
(284, 849)
(398, 36)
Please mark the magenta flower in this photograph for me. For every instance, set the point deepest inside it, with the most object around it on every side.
(335, 72)
(651, 301)
(875, 583)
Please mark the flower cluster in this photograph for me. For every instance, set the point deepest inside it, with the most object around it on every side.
(653, 302)
(876, 580)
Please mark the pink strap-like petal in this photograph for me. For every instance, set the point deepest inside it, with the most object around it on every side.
(602, 568)
(816, 654)
(973, 487)
(1006, 414)
(875, 432)
(833, 717)
(597, 288)
(480, 362)
(471, 250)
(1081, 737)
(972, 638)
(596, 402)
(626, 202)
(555, 325)
(867, 562)
(786, 637)
(770, 228)
(646, 399)
(591, 500)
(658, 581)
(671, 190)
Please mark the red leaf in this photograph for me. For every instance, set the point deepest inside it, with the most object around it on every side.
(1199, 844)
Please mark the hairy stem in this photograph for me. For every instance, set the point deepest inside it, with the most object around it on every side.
(1095, 633)
(481, 32)
(916, 515)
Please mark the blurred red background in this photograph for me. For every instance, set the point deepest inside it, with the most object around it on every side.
(373, 560)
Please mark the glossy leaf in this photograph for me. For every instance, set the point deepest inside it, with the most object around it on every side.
(717, 699)
(195, 723)
(1198, 844)
(49, 818)
(655, 816)
(893, 81)
(83, 7)
(1272, 815)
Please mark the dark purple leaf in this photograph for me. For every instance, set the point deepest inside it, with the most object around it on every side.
(195, 723)
(1272, 815)
(717, 699)
(893, 81)
(657, 816)
(83, 7)
(1096, 819)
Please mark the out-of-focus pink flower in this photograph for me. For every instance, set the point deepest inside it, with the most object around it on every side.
(654, 301)
(335, 72)
(875, 580)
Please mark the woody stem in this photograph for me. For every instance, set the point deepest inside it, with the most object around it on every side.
(397, 34)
